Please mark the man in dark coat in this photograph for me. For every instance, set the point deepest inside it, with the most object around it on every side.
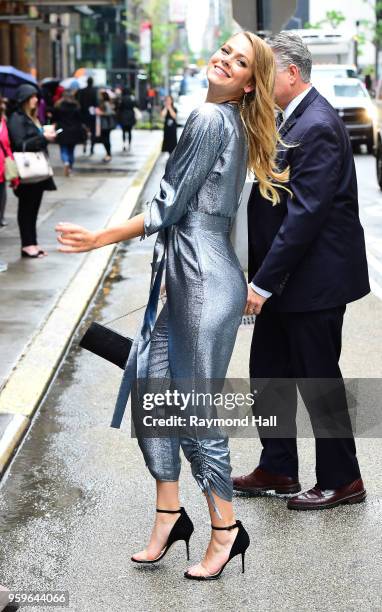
(88, 100)
(307, 261)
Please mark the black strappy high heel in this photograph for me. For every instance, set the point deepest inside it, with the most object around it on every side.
(239, 547)
(182, 530)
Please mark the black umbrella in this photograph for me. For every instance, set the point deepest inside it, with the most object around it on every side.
(11, 78)
(50, 82)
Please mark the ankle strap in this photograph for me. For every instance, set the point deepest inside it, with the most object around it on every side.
(237, 524)
(170, 511)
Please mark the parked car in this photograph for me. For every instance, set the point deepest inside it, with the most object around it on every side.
(378, 157)
(333, 71)
(378, 144)
(354, 105)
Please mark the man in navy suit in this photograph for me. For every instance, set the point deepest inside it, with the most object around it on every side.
(307, 260)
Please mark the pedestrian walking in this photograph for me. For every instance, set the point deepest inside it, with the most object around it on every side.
(42, 111)
(88, 99)
(307, 260)
(59, 90)
(106, 122)
(67, 117)
(169, 114)
(5, 152)
(27, 134)
(126, 108)
(194, 335)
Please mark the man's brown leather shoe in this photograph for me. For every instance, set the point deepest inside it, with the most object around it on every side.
(319, 499)
(259, 481)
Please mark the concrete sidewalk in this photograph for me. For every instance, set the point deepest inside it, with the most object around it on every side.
(43, 300)
(78, 499)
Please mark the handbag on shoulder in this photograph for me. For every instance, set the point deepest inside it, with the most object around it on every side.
(33, 167)
(137, 114)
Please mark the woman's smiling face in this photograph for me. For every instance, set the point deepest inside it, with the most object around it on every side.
(230, 69)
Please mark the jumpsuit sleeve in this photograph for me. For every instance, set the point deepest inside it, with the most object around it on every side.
(187, 168)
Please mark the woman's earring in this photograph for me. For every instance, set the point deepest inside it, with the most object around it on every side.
(244, 101)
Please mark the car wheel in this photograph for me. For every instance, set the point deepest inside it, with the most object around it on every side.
(379, 165)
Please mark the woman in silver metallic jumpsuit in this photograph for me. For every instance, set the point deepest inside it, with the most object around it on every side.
(193, 338)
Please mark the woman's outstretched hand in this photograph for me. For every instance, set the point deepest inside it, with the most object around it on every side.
(75, 239)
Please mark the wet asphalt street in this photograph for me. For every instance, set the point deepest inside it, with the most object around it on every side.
(77, 500)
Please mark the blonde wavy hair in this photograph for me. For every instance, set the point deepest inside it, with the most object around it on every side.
(257, 111)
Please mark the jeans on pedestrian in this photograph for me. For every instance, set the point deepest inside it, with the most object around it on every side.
(67, 154)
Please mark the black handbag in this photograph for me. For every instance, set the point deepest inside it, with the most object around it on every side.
(111, 345)
(107, 343)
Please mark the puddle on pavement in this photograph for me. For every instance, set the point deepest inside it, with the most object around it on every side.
(37, 486)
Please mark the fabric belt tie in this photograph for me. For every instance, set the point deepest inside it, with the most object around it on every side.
(138, 362)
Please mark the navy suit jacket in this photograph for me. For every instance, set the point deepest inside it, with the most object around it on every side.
(309, 250)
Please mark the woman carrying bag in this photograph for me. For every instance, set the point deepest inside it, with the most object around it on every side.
(8, 170)
(6, 166)
(67, 117)
(107, 123)
(28, 135)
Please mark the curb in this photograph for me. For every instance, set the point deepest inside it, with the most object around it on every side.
(27, 384)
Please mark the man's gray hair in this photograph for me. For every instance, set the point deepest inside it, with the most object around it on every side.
(291, 49)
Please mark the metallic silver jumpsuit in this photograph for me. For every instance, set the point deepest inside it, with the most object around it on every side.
(194, 335)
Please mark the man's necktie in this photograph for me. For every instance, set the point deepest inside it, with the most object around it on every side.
(279, 120)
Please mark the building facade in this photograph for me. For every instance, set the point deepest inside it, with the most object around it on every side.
(25, 35)
(356, 13)
(54, 38)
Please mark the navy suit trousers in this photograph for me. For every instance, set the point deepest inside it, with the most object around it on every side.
(305, 345)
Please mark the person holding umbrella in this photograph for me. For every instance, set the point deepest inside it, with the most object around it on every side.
(27, 134)
(11, 78)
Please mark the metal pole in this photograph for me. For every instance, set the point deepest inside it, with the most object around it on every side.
(59, 49)
(166, 57)
(127, 42)
(260, 15)
(378, 19)
(356, 45)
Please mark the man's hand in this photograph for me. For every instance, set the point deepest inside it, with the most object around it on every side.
(255, 302)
